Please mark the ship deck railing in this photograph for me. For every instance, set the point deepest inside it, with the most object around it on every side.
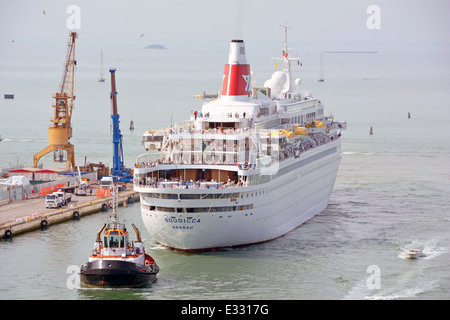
(176, 184)
(221, 131)
(154, 164)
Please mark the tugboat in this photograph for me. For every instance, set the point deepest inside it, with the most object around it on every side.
(115, 262)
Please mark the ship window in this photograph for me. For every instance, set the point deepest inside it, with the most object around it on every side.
(189, 196)
(114, 242)
(169, 196)
(152, 138)
(210, 209)
(166, 209)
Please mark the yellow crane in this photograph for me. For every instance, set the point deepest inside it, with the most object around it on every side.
(60, 130)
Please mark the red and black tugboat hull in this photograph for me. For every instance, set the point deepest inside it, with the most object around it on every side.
(117, 274)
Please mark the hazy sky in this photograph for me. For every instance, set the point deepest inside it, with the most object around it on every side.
(311, 20)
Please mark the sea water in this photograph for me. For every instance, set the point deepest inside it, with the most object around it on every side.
(390, 195)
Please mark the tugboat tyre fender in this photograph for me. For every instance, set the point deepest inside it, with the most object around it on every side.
(104, 207)
(8, 233)
(76, 214)
(130, 199)
(44, 223)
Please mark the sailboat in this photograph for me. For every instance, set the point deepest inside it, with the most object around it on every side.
(321, 79)
(101, 78)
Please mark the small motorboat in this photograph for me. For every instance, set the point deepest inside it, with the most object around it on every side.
(115, 262)
(414, 254)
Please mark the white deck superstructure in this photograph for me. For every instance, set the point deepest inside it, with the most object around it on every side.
(252, 165)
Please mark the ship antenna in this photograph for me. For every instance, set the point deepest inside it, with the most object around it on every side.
(285, 27)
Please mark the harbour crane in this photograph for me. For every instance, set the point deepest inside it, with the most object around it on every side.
(60, 130)
(118, 170)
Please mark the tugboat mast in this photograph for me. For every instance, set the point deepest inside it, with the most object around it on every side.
(114, 216)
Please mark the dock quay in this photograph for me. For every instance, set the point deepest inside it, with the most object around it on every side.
(31, 214)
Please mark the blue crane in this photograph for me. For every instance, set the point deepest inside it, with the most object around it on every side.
(118, 170)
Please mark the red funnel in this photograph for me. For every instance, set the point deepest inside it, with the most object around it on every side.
(236, 75)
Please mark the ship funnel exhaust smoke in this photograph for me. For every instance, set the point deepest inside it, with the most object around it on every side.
(236, 75)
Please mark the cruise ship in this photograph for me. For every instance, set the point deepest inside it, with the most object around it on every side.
(253, 164)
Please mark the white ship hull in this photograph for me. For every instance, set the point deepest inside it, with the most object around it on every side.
(251, 166)
(270, 210)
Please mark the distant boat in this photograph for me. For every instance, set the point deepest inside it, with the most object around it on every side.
(414, 254)
(131, 125)
(371, 131)
(101, 78)
(321, 79)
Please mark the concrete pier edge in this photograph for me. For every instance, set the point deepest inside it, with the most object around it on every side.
(63, 214)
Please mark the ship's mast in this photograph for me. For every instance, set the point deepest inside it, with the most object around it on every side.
(101, 78)
(286, 58)
(286, 64)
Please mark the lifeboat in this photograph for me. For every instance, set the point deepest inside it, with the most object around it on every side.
(288, 133)
(300, 130)
(316, 124)
(276, 134)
